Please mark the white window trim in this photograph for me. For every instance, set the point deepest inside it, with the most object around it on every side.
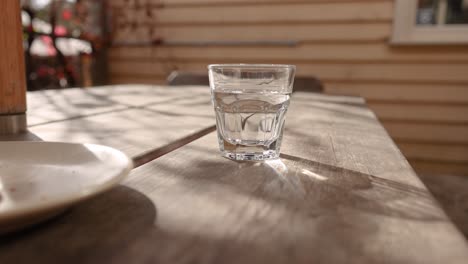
(405, 30)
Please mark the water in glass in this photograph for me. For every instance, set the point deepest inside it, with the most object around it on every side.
(250, 125)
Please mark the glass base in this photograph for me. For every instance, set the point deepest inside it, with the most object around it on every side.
(258, 156)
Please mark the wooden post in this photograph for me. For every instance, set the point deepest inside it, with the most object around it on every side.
(12, 70)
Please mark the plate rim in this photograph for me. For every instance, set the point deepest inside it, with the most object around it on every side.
(73, 197)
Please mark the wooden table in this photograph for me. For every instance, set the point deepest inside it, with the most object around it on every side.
(341, 193)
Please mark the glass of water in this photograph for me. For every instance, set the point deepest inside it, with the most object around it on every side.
(250, 101)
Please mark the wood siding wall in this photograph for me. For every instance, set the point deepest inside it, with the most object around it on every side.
(419, 93)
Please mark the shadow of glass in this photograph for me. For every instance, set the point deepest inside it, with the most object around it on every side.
(366, 192)
(279, 211)
(314, 189)
(94, 229)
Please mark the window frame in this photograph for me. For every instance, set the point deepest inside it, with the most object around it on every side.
(405, 30)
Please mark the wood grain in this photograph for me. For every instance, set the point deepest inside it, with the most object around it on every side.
(356, 52)
(313, 32)
(287, 211)
(57, 105)
(137, 79)
(199, 3)
(341, 184)
(451, 191)
(141, 95)
(447, 113)
(333, 71)
(344, 43)
(435, 152)
(427, 132)
(402, 92)
(295, 13)
(12, 71)
(440, 168)
(143, 121)
(54, 105)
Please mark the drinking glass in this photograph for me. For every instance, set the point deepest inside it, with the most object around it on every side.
(250, 101)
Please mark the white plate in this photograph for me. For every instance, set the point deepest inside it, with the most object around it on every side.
(41, 179)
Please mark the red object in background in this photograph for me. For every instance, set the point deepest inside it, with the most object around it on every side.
(44, 71)
(60, 74)
(60, 30)
(67, 14)
(49, 46)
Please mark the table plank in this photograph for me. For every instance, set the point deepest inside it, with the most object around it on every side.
(137, 132)
(138, 95)
(57, 105)
(293, 210)
(341, 131)
(144, 121)
(193, 105)
(341, 193)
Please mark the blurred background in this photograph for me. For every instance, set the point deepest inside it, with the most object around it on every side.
(64, 43)
(407, 58)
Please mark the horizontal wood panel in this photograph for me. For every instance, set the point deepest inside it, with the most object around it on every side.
(421, 112)
(313, 32)
(432, 167)
(361, 52)
(193, 3)
(310, 13)
(347, 72)
(402, 92)
(434, 152)
(427, 132)
(135, 79)
(132, 35)
(140, 68)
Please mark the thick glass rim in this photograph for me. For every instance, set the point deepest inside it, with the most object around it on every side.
(252, 66)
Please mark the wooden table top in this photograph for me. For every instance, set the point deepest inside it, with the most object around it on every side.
(340, 193)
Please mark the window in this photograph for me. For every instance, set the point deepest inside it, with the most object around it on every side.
(430, 22)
